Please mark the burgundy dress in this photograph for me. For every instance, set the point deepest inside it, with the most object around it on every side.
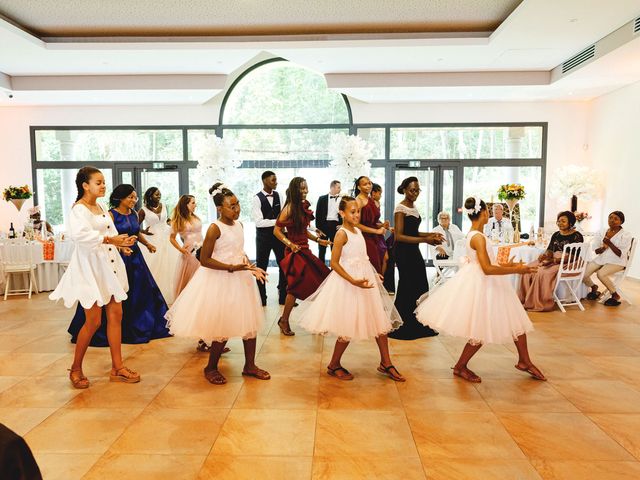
(305, 272)
(370, 217)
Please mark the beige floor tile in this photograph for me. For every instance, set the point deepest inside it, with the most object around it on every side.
(280, 393)
(475, 470)
(586, 470)
(105, 394)
(65, 466)
(363, 432)
(290, 364)
(379, 467)
(96, 365)
(9, 343)
(561, 436)
(21, 420)
(184, 392)
(569, 367)
(267, 432)
(594, 347)
(59, 343)
(359, 394)
(304, 344)
(441, 394)
(626, 369)
(419, 366)
(175, 431)
(161, 364)
(8, 382)
(146, 467)
(26, 363)
(255, 468)
(523, 395)
(600, 396)
(624, 428)
(461, 435)
(39, 392)
(80, 430)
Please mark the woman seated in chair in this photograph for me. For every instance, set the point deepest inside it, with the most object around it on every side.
(536, 289)
(611, 258)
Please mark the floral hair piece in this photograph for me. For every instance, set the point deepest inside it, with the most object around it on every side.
(475, 209)
(219, 189)
(34, 210)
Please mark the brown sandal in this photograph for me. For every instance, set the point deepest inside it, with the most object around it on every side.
(388, 371)
(533, 371)
(259, 374)
(467, 375)
(285, 331)
(78, 380)
(215, 377)
(125, 375)
(346, 375)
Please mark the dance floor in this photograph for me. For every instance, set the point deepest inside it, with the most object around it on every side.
(583, 423)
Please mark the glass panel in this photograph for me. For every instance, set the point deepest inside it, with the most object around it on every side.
(376, 137)
(466, 142)
(193, 137)
(447, 192)
(57, 193)
(424, 203)
(168, 182)
(485, 181)
(90, 146)
(284, 144)
(127, 177)
(282, 93)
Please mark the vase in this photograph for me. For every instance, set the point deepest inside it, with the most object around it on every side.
(512, 202)
(574, 204)
(18, 202)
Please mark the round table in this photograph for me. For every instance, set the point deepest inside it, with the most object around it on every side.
(48, 272)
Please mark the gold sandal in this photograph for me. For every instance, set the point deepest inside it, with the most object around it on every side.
(78, 380)
(124, 374)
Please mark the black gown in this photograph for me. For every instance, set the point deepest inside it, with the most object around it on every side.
(412, 283)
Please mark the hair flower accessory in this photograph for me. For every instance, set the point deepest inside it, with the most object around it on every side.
(476, 208)
(219, 189)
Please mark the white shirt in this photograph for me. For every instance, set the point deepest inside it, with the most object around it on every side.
(256, 211)
(332, 207)
(622, 240)
(503, 225)
(456, 235)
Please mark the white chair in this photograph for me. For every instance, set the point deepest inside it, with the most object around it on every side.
(445, 268)
(619, 277)
(17, 258)
(572, 267)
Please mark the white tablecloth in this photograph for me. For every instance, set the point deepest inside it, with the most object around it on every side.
(48, 272)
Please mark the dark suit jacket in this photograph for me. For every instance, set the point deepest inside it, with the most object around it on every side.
(322, 208)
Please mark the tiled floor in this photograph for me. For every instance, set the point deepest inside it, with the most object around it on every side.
(582, 424)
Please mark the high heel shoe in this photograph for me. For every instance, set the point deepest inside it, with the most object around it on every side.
(285, 331)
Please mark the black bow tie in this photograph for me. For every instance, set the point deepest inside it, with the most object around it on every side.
(333, 196)
(269, 195)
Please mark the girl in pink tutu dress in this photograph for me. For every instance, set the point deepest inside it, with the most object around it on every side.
(479, 302)
(352, 302)
(222, 299)
(185, 222)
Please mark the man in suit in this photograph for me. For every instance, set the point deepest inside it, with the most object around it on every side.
(265, 210)
(498, 222)
(327, 217)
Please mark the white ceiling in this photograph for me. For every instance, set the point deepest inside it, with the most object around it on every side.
(535, 38)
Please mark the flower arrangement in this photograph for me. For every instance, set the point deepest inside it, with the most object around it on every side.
(17, 193)
(512, 191)
(216, 158)
(350, 156)
(581, 216)
(574, 180)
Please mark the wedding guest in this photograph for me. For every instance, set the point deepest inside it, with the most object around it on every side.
(611, 258)
(536, 289)
(35, 216)
(498, 222)
(376, 196)
(372, 229)
(187, 224)
(412, 270)
(451, 234)
(265, 210)
(327, 218)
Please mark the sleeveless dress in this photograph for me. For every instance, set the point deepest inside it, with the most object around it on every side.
(163, 262)
(217, 305)
(370, 217)
(96, 273)
(304, 271)
(481, 308)
(188, 264)
(143, 311)
(350, 312)
(412, 281)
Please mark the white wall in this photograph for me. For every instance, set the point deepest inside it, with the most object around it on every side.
(613, 129)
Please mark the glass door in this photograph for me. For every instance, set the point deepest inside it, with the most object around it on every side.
(142, 176)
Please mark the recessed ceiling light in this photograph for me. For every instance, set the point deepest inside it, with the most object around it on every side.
(573, 20)
(440, 59)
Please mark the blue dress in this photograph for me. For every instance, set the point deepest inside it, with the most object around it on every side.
(144, 309)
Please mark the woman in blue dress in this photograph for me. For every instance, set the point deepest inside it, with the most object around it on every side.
(143, 310)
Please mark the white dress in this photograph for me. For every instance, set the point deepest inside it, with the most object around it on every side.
(481, 308)
(216, 305)
(350, 312)
(96, 271)
(163, 262)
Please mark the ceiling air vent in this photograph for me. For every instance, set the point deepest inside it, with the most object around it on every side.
(636, 25)
(579, 59)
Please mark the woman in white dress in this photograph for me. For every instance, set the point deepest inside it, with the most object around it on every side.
(163, 262)
(222, 299)
(479, 302)
(352, 303)
(96, 276)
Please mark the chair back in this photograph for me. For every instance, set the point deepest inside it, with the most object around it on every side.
(16, 254)
(573, 262)
(630, 254)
